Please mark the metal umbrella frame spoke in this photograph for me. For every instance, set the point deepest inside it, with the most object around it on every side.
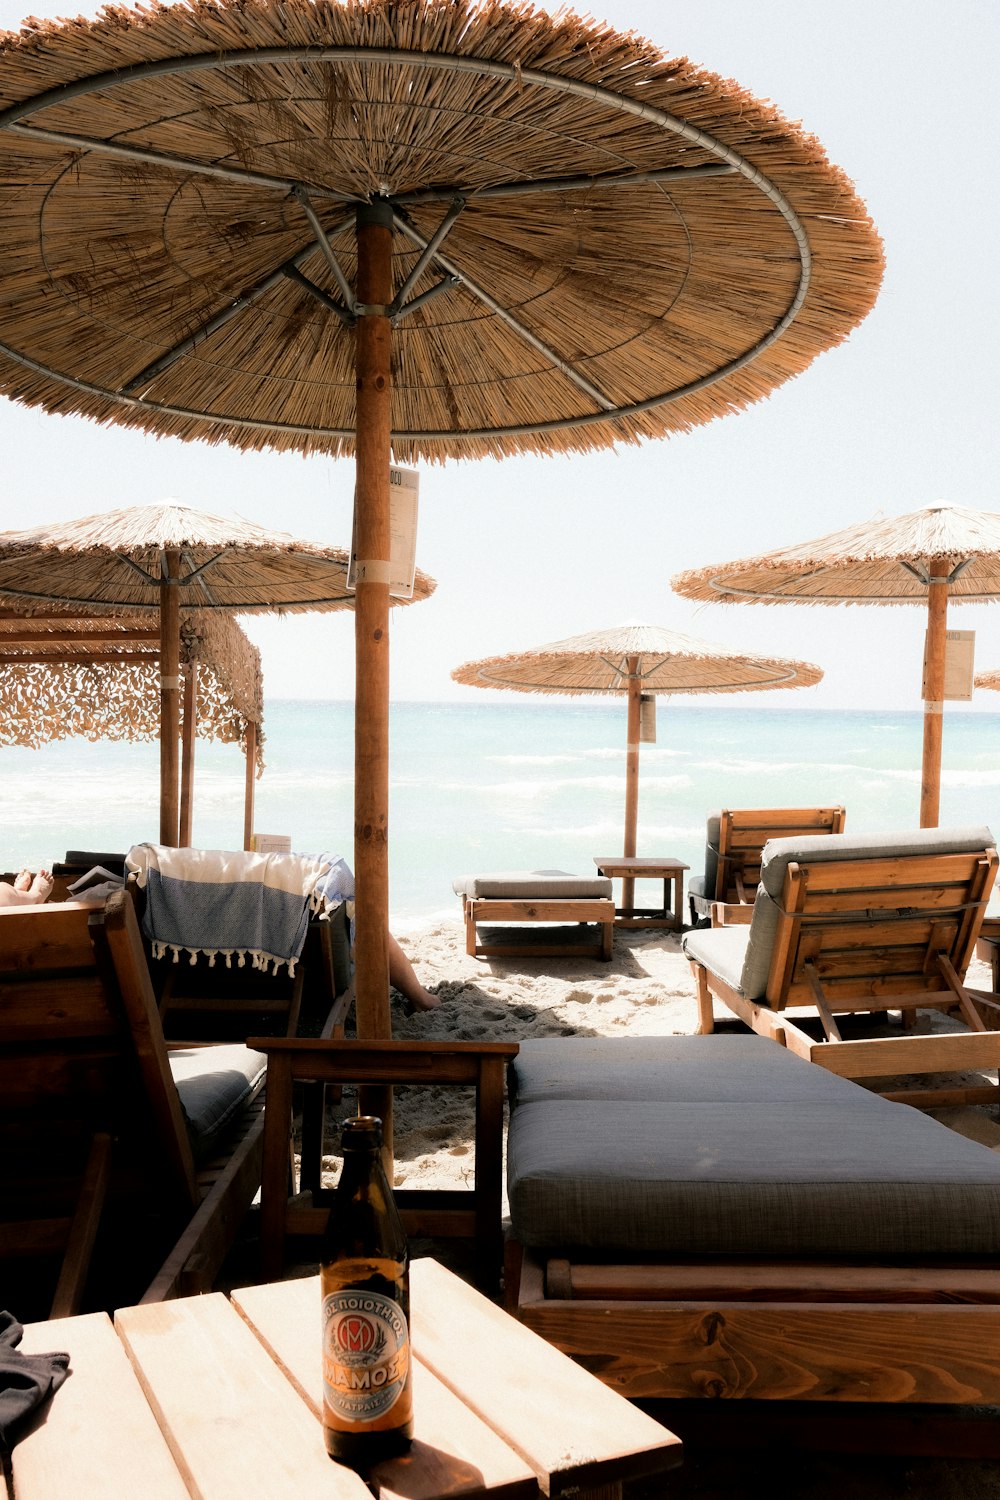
(634, 661)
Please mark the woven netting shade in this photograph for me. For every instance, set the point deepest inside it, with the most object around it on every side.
(632, 661)
(68, 675)
(989, 680)
(925, 557)
(421, 228)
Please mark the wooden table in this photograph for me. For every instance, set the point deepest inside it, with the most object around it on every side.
(629, 869)
(220, 1399)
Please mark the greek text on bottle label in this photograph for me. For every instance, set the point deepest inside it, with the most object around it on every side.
(366, 1354)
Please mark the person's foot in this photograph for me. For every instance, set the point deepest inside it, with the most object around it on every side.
(41, 887)
(425, 1001)
(22, 881)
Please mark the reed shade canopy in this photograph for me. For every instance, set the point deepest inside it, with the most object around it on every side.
(404, 228)
(149, 561)
(97, 676)
(927, 557)
(633, 661)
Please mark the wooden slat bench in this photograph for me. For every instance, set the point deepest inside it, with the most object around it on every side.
(577, 911)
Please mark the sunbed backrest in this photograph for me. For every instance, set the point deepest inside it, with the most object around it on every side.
(82, 1065)
(740, 836)
(867, 926)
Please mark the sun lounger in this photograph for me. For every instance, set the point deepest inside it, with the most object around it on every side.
(845, 925)
(538, 896)
(734, 842)
(107, 1138)
(711, 1217)
(240, 942)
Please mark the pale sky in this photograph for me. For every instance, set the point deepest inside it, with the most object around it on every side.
(902, 93)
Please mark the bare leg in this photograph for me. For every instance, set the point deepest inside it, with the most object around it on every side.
(403, 979)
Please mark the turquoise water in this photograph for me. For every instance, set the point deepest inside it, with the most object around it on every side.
(535, 784)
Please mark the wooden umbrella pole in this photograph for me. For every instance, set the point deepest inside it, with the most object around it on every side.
(170, 693)
(371, 640)
(188, 732)
(251, 782)
(937, 627)
(632, 775)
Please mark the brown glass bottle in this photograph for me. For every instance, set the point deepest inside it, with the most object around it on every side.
(365, 1282)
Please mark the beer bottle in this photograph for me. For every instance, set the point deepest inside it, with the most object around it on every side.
(365, 1281)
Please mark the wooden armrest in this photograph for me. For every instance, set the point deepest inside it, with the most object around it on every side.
(730, 914)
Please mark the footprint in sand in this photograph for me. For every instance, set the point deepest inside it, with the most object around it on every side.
(579, 997)
(459, 1151)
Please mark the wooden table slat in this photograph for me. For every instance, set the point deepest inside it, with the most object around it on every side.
(235, 1425)
(457, 1454)
(96, 1438)
(574, 1432)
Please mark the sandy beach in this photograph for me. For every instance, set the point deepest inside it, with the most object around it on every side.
(646, 990)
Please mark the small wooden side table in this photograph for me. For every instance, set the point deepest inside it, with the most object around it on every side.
(221, 1399)
(629, 869)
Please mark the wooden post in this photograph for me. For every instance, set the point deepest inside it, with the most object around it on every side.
(189, 732)
(251, 782)
(632, 775)
(937, 626)
(170, 685)
(371, 640)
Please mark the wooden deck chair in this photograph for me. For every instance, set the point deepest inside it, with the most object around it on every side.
(843, 925)
(734, 842)
(101, 1127)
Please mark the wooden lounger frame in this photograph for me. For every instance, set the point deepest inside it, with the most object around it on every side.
(743, 834)
(79, 1030)
(894, 933)
(814, 1332)
(549, 944)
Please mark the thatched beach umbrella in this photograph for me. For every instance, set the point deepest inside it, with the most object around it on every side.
(150, 558)
(923, 558)
(425, 228)
(633, 661)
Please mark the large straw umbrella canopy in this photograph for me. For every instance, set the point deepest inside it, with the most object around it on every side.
(633, 661)
(153, 559)
(423, 227)
(925, 558)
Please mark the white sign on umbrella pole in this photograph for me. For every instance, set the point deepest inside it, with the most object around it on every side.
(404, 490)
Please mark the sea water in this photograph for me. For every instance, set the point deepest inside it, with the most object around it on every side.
(527, 784)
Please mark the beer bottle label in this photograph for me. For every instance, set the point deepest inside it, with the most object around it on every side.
(366, 1354)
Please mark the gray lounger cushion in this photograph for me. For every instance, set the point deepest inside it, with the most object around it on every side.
(731, 1145)
(674, 1069)
(214, 1083)
(752, 950)
(701, 888)
(523, 885)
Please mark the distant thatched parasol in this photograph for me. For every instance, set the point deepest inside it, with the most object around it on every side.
(635, 660)
(924, 557)
(145, 557)
(425, 227)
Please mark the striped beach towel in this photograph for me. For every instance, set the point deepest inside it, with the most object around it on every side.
(234, 905)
